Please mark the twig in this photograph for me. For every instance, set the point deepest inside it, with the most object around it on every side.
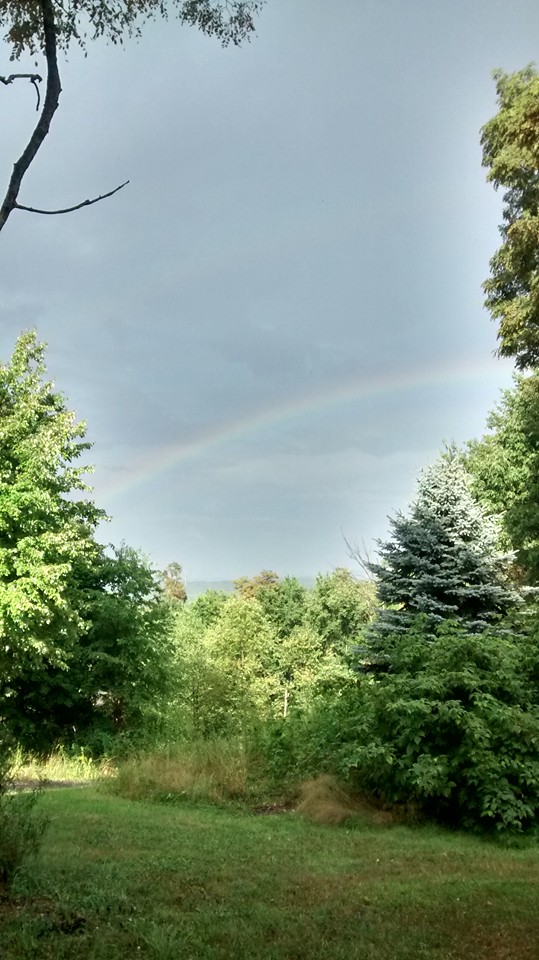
(360, 555)
(34, 79)
(78, 206)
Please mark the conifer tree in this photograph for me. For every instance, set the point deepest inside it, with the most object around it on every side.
(442, 560)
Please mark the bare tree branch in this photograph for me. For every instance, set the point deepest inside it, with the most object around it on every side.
(45, 26)
(34, 79)
(78, 206)
(50, 105)
(20, 76)
(360, 555)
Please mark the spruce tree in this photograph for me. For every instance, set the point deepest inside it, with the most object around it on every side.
(442, 560)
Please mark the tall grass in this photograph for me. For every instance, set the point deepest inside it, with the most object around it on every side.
(216, 771)
(60, 765)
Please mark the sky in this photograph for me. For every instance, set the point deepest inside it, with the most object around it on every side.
(278, 323)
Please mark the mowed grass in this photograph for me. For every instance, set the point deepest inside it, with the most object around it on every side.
(119, 879)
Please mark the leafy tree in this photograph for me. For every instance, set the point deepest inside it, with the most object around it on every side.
(82, 633)
(197, 707)
(283, 601)
(123, 659)
(284, 605)
(243, 642)
(120, 669)
(339, 607)
(45, 26)
(443, 560)
(47, 523)
(510, 143)
(172, 583)
(225, 664)
(504, 466)
(208, 606)
(248, 587)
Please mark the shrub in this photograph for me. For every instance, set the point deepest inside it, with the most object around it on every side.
(452, 729)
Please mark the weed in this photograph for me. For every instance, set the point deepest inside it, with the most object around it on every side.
(21, 831)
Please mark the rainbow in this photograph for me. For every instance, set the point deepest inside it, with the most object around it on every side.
(289, 410)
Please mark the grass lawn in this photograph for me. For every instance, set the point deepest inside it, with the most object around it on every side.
(122, 879)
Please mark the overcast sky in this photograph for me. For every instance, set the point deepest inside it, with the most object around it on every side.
(278, 323)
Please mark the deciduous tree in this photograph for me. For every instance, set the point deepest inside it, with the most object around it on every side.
(504, 466)
(510, 143)
(173, 584)
(47, 520)
(339, 608)
(83, 633)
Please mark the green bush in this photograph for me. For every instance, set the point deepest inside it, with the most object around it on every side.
(452, 729)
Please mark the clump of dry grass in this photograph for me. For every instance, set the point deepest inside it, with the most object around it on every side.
(324, 801)
(206, 770)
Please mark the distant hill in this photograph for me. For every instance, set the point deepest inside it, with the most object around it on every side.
(196, 587)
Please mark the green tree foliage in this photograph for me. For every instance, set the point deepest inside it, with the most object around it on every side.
(226, 666)
(194, 710)
(504, 466)
(80, 20)
(339, 608)
(284, 605)
(47, 523)
(250, 586)
(118, 673)
(208, 606)
(82, 634)
(237, 669)
(244, 643)
(172, 583)
(283, 601)
(510, 143)
(453, 729)
(123, 661)
(443, 560)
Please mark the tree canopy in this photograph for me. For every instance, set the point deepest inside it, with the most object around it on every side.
(231, 21)
(510, 143)
(82, 631)
(45, 531)
(504, 466)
